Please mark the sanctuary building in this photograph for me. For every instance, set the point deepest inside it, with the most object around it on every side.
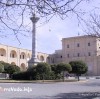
(85, 48)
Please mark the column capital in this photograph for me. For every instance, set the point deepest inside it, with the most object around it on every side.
(34, 19)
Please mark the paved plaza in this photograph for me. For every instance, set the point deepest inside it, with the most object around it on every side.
(60, 90)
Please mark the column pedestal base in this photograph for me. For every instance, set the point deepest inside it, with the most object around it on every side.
(33, 62)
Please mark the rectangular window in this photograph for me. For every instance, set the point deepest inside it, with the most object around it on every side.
(88, 44)
(67, 46)
(78, 54)
(23, 56)
(89, 54)
(68, 55)
(78, 45)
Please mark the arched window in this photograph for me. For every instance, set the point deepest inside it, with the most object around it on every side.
(41, 58)
(2, 52)
(23, 67)
(13, 54)
(22, 56)
(48, 60)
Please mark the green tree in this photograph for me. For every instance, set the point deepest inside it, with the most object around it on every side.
(62, 68)
(43, 69)
(12, 69)
(32, 73)
(17, 68)
(6, 65)
(53, 68)
(1, 68)
(78, 68)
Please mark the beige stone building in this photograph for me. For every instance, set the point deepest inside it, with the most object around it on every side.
(85, 48)
(18, 56)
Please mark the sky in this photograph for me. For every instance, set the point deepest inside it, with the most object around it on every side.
(49, 35)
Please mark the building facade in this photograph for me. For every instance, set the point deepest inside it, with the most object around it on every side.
(85, 48)
(18, 56)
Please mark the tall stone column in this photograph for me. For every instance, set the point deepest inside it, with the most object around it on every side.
(33, 60)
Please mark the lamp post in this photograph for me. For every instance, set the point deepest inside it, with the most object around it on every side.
(33, 60)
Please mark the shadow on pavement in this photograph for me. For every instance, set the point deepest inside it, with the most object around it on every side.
(92, 84)
(85, 95)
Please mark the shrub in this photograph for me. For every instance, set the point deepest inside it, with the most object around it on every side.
(21, 76)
